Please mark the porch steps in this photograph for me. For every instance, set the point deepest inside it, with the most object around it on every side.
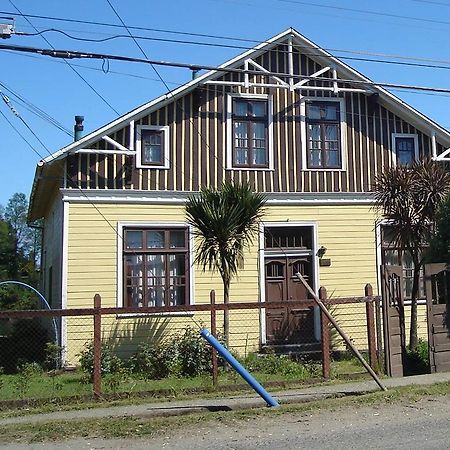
(310, 350)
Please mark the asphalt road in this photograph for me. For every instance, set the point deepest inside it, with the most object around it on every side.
(410, 425)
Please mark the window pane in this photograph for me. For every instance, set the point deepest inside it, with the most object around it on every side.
(134, 271)
(155, 239)
(314, 132)
(240, 108)
(177, 239)
(133, 239)
(177, 272)
(332, 159)
(331, 111)
(313, 111)
(258, 109)
(315, 158)
(331, 132)
(405, 150)
(259, 144)
(152, 142)
(241, 143)
(156, 279)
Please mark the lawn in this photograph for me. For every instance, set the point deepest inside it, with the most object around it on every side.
(35, 385)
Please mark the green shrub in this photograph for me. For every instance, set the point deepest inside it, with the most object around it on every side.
(194, 354)
(417, 360)
(110, 363)
(278, 364)
(155, 361)
(26, 343)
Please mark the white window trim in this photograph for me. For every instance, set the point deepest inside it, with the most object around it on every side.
(394, 145)
(343, 133)
(166, 161)
(229, 130)
(120, 236)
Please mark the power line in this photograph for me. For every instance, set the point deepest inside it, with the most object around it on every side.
(239, 47)
(222, 37)
(81, 66)
(365, 11)
(36, 110)
(21, 135)
(102, 56)
(72, 68)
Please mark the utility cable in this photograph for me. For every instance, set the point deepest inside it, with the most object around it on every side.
(36, 110)
(102, 56)
(239, 47)
(72, 68)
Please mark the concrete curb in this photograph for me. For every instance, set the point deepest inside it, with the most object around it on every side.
(231, 403)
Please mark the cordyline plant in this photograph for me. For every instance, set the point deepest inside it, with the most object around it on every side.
(225, 222)
(409, 197)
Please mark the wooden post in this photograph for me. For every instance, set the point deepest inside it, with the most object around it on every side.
(97, 375)
(215, 370)
(325, 338)
(340, 331)
(370, 315)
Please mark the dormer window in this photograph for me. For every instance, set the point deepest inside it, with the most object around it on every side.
(406, 148)
(152, 147)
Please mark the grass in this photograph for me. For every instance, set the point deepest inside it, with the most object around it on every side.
(138, 427)
(44, 393)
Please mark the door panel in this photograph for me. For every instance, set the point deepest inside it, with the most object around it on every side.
(288, 325)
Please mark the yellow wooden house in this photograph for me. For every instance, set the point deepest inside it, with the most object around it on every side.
(287, 117)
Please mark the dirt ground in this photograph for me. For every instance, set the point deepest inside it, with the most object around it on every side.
(423, 424)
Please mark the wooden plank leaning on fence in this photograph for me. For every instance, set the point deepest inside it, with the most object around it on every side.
(325, 311)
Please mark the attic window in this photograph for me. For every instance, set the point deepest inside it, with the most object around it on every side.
(323, 133)
(406, 148)
(249, 127)
(152, 147)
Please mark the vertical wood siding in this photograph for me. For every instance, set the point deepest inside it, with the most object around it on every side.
(198, 140)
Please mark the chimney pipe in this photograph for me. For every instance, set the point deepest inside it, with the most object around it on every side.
(78, 128)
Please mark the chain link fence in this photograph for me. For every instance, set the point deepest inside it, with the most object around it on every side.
(78, 353)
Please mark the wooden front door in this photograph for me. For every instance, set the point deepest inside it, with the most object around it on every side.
(290, 324)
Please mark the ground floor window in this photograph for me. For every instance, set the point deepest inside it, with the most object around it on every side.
(156, 266)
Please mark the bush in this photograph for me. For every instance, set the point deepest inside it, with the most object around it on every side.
(417, 360)
(277, 364)
(194, 354)
(110, 363)
(155, 361)
(26, 343)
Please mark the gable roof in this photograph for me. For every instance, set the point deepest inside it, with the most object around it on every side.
(323, 57)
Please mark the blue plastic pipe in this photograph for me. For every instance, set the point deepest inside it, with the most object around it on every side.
(234, 363)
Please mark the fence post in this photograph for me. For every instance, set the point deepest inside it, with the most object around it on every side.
(325, 338)
(370, 315)
(97, 375)
(215, 374)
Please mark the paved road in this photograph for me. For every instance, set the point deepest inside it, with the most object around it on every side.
(420, 425)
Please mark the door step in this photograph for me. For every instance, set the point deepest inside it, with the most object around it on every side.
(310, 349)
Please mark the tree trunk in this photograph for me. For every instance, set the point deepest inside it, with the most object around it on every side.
(226, 313)
(413, 340)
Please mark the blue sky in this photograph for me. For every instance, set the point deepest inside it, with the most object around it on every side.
(52, 86)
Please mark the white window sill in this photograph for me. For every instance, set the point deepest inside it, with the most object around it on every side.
(152, 167)
(149, 314)
(251, 169)
(323, 170)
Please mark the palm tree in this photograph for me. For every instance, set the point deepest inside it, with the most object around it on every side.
(225, 221)
(409, 197)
